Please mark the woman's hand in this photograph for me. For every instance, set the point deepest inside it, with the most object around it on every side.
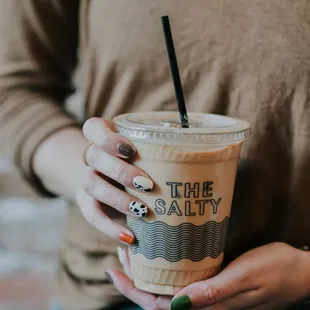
(273, 276)
(106, 156)
(122, 281)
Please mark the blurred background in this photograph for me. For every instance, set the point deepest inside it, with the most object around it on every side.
(30, 236)
(31, 232)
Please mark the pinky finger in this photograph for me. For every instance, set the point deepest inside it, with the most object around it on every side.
(123, 257)
(93, 212)
(145, 300)
(125, 286)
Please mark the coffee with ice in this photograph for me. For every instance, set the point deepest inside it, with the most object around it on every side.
(182, 239)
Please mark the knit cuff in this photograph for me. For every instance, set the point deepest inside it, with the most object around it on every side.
(35, 135)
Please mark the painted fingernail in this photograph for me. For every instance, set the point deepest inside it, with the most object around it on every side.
(126, 238)
(109, 278)
(143, 184)
(126, 150)
(181, 303)
(138, 208)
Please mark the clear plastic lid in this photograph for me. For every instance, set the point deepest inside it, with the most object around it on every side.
(166, 126)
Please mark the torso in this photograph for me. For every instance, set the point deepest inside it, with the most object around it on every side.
(246, 59)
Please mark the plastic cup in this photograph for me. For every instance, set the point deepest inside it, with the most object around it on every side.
(182, 238)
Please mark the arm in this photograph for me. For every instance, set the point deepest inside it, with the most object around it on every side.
(38, 43)
(66, 174)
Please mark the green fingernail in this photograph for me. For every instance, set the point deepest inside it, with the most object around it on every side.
(181, 303)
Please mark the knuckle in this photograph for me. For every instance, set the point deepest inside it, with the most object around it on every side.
(246, 276)
(211, 295)
(121, 173)
(89, 185)
(115, 200)
(104, 141)
(93, 155)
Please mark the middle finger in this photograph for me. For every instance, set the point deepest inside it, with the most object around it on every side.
(118, 169)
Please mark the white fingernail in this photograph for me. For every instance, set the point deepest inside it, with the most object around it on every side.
(120, 255)
(143, 184)
(138, 208)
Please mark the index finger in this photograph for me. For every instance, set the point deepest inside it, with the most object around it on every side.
(103, 134)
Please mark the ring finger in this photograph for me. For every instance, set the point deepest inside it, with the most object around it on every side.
(103, 191)
(94, 213)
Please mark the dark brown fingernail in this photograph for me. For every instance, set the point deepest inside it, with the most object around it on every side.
(109, 278)
(126, 150)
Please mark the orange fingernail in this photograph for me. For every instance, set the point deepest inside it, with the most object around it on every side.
(126, 238)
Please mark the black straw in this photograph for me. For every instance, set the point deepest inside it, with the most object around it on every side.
(175, 71)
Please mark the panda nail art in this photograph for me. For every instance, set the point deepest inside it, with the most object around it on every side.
(143, 184)
(138, 208)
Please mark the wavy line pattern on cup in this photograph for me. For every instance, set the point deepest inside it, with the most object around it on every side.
(174, 243)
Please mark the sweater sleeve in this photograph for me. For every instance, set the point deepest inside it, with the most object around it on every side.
(38, 52)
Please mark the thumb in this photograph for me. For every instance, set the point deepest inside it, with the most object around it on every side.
(210, 292)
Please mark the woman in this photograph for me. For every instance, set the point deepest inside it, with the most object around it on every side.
(247, 59)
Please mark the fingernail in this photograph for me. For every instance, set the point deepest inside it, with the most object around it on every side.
(126, 150)
(143, 184)
(138, 208)
(126, 238)
(181, 303)
(120, 255)
(109, 278)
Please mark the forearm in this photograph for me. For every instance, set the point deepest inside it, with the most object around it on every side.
(58, 162)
